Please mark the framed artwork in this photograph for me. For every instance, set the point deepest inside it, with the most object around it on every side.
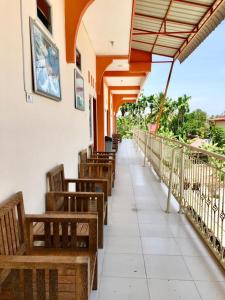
(45, 60)
(79, 91)
(78, 59)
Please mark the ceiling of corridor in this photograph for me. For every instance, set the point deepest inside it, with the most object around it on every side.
(108, 24)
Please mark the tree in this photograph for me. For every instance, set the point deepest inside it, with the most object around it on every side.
(217, 136)
(196, 123)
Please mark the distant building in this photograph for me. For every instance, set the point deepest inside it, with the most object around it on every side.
(219, 122)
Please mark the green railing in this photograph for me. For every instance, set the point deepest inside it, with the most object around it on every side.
(196, 179)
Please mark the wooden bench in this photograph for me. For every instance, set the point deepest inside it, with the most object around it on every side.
(60, 263)
(96, 158)
(91, 196)
(84, 159)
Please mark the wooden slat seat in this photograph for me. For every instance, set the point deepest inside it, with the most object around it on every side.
(85, 199)
(45, 263)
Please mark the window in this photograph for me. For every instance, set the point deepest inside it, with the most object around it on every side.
(78, 59)
(44, 13)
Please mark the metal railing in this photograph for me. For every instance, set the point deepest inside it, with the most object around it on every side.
(196, 179)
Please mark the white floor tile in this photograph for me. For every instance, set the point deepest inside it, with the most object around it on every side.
(204, 268)
(152, 230)
(192, 247)
(130, 245)
(124, 230)
(173, 290)
(157, 245)
(153, 217)
(166, 267)
(123, 218)
(211, 290)
(123, 289)
(123, 265)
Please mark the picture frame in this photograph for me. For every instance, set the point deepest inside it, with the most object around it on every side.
(78, 60)
(45, 64)
(79, 91)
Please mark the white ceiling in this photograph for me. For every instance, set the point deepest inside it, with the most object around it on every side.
(119, 65)
(106, 21)
(126, 92)
(124, 81)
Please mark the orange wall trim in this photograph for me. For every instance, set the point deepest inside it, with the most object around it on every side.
(100, 119)
(74, 11)
(140, 61)
(125, 88)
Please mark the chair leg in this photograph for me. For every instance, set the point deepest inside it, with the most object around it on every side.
(95, 282)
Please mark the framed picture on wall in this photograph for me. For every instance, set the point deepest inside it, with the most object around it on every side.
(79, 91)
(45, 60)
(78, 59)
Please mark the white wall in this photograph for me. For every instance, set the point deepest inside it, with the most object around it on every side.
(36, 137)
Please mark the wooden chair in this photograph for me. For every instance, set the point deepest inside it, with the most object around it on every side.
(96, 158)
(96, 169)
(91, 195)
(58, 263)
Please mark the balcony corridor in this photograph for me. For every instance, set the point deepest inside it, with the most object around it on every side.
(150, 254)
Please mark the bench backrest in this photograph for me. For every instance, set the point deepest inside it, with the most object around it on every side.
(56, 179)
(82, 156)
(45, 277)
(12, 226)
(73, 202)
(63, 231)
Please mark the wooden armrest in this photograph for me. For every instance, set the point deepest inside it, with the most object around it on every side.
(73, 217)
(87, 180)
(96, 164)
(41, 262)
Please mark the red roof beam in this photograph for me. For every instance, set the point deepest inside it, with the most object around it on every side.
(163, 32)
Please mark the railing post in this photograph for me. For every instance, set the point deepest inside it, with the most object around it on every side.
(181, 180)
(150, 157)
(146, 146)
(138, 137)
(171, 181)
(161, 159)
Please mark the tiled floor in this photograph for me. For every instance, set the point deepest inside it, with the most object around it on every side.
(148, 254)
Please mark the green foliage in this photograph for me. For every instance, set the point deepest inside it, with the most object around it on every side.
(176, 119)
(217, 136)
(196, 124)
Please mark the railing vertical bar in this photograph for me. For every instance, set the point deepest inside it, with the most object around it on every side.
(170, 182)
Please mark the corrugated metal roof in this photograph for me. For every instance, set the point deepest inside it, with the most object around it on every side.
(174, 28)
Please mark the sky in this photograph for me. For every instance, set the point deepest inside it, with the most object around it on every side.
(201, 75)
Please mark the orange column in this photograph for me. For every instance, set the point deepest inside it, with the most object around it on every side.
(74, 11)
(109, 113)
(101, 118)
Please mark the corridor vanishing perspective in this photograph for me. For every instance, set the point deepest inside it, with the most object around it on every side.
(148, 253)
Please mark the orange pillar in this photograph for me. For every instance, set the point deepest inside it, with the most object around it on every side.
(74, 11)
(109, 113)
(101, 118)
